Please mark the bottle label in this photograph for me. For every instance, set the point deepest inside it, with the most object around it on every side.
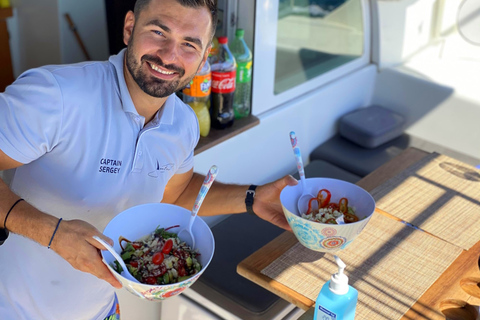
(244, 72)
(325, 314)
(199, 86)
(223, 82)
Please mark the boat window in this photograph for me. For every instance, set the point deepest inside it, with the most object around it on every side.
(314, 37)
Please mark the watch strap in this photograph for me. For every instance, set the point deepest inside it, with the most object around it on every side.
(250, 195)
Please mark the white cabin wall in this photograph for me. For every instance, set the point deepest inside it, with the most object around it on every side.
(405, 28)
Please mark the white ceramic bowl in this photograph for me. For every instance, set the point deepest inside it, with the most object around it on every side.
(142, 220)
(327, 237)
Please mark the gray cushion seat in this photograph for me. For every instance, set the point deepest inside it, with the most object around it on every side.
(358, 160)
(372, 126)
(368, 137)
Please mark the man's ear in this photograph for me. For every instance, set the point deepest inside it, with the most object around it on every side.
(205, 57)
(128, 26)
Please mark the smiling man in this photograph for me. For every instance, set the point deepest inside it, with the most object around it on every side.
(90, 140)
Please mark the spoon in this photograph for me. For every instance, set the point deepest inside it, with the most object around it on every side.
(117, 257)
(187, 234)
(305, 197)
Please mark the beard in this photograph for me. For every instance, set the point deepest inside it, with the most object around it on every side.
(149, 84)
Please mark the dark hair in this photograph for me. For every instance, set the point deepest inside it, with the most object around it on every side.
(211, 6)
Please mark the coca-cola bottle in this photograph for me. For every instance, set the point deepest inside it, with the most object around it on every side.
(224, 71)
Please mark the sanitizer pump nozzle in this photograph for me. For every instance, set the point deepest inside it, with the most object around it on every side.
(339, 280)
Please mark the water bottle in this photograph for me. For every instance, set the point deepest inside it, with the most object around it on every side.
(224, 70)
(197, 95)
(243, 57)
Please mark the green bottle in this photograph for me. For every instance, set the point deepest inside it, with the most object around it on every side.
(243, 91)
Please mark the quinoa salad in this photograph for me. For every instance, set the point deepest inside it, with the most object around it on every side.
(325, 215)
(321, 209)
(159, 258)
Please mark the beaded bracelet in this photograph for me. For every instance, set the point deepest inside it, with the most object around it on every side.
(53, 235)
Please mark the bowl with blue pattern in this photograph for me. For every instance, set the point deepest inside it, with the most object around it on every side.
(139, 221)
(327, 237)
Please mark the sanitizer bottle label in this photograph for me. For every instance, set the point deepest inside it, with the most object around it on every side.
(324, 314)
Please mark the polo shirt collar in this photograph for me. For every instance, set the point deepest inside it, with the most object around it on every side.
(166, 113)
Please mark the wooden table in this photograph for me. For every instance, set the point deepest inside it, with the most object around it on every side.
(455, 292)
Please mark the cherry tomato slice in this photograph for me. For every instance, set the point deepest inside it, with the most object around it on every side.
(151, 280)
(343, 205)
(136, 245)
(167, 247)
(157, 258)
(181, 271)
(134, 264)
(323, 197)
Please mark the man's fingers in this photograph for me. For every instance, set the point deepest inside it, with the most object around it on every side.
(290, 181)
(105, 274)
(97, 244)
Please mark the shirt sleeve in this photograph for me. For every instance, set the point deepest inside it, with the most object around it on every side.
(31, 112)
(195, 137)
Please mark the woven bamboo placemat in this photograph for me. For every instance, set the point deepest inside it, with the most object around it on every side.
(389, 263)
(440, 195)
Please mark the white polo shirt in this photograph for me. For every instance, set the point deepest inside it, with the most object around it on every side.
(89, 156)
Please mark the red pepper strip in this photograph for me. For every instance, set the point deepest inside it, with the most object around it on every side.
(348, 217)
(120, 239)
(310, 205)
(343, 205)
(323, 201)
(331, 221)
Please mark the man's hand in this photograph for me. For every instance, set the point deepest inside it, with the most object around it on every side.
(267, 201)
(74, 242)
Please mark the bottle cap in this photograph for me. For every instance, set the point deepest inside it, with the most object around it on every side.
(239, 33)
(222, 40)
(339, 280)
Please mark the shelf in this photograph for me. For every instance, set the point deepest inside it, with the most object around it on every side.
(217, 136)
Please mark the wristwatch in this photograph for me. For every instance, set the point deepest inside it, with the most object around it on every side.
(250, 194)
(3, 235)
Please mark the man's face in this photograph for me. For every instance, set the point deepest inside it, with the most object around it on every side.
(167, 45)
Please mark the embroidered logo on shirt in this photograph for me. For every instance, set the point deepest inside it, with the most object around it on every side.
(110, 166)
(163, 168)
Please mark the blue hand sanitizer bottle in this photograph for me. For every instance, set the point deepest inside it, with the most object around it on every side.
(337, 300)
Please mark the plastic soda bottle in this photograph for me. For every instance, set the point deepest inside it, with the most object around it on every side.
(243, 57)
(224, 70)
(197, 95)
